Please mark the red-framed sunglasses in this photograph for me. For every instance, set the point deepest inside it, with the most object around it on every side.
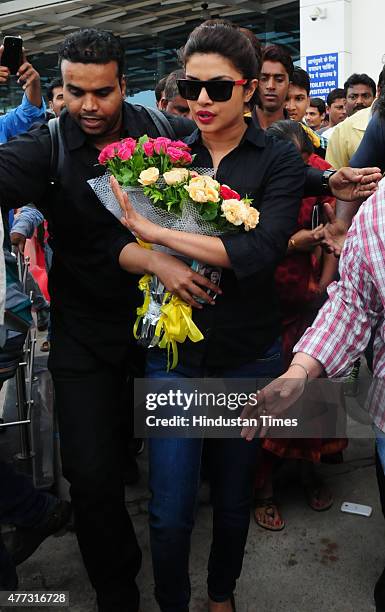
(217, 91)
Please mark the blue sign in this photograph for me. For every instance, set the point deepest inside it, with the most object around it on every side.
(323, 73)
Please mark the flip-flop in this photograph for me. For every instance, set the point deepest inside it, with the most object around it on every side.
(270, 509)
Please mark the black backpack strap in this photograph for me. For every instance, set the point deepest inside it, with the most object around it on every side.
(160, 121)
(57, 149)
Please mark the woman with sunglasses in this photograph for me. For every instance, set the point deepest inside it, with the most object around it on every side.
(241, 332)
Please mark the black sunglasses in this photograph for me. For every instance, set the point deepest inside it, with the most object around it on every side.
(217, 91)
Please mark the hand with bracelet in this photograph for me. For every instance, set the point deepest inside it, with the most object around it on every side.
(306, 240)
(281, 393)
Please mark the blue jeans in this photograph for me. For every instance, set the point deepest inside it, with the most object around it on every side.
(22, 505)
(174, 482)
(380, 445)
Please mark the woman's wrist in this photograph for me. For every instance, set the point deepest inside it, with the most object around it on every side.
(162, 236)
(153, 261)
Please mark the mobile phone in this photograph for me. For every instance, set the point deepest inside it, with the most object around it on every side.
(360, 509)
(12, 56)
(315, 216)
(213, 273)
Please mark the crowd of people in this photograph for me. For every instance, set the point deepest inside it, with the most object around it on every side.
(246, 113)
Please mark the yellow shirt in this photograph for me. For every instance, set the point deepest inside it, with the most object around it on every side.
(346, 138)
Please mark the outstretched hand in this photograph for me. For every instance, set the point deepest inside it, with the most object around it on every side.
(334, 232)
(273, 400)
(141, 227)
(351, 184)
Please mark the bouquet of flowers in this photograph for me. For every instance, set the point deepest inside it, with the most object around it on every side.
(164, 188)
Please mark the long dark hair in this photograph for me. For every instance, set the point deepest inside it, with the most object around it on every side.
(221, 37)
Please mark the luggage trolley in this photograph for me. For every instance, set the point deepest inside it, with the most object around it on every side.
(23, 383)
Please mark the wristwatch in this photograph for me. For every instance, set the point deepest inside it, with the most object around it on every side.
(325, 180)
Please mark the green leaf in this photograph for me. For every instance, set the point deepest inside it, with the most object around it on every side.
(209, 211)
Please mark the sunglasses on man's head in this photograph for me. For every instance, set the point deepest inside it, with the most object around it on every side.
(217, 91)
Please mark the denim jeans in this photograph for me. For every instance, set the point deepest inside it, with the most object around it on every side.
(174, 482)
(380, 446)
(22, 505)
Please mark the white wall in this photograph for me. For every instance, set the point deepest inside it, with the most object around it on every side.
(368, 40)
(353, 28)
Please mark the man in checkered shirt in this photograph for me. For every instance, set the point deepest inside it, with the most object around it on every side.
(342, 330)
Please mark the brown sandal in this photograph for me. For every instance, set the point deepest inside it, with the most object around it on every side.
(270, 509)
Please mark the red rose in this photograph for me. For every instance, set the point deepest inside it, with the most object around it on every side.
(228, 194)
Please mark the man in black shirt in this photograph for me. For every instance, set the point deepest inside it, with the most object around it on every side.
(93, 300)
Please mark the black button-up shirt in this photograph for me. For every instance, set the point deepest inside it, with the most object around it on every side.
(245, 320)
(91, 296)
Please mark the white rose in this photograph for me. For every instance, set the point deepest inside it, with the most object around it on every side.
(175, 176)
(235, 211)
(149, 176)
(203, 189)
(252, 218)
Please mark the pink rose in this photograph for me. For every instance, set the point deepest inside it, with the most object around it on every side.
(179, 144)
(175, 155)
(187, 158)
(109, 152)
(126, 148)
(161, 144)
(125, 153)
(129, 142)
(148, 148)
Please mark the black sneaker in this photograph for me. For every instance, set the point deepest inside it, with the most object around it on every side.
(25, 540)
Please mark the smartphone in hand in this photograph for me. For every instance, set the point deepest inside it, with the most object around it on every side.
(12, 56)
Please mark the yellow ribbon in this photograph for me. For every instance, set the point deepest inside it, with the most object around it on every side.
(175, 325)
(145, 245)
(144, 285)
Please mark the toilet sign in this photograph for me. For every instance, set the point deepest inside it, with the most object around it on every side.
(323, 73)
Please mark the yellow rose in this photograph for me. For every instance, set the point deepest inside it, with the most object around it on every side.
(252, 218)
(235, 211)
(149, 176)
(196, 194)
(175, 176)
(203, 189)
(210, 182)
